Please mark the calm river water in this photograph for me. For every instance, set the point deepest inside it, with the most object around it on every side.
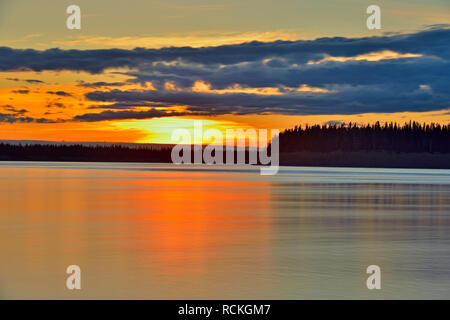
(159, 231)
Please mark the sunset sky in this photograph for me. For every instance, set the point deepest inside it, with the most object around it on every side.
(137, 70)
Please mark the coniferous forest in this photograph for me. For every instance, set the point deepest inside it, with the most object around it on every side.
(410, 138)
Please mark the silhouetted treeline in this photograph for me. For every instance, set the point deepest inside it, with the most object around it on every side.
(90, 153)
(412, 137)
(328, 145)
(113, 153)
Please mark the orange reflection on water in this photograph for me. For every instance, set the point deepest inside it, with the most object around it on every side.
(185, 224)
(130, 230)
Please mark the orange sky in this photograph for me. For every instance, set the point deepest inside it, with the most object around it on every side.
(156, 130)
(36, 99)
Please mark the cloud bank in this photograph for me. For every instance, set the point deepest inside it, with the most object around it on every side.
(392, 73)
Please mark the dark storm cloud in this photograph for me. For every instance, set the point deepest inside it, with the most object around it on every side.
(31, 81)
(21, 91)
(14, 118)
(101, 84)
(16, 115)
(346, 100)
(130, 105)
(418, 83)
(408, 71)
(60, 93)
(56, 105)
(434, 42)
(14, 110)
(410, 83)
(127, 114)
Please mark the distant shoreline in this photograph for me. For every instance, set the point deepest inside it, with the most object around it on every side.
(371, 159)
(302, 159)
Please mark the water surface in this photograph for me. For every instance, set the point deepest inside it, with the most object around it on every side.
(159, 231)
